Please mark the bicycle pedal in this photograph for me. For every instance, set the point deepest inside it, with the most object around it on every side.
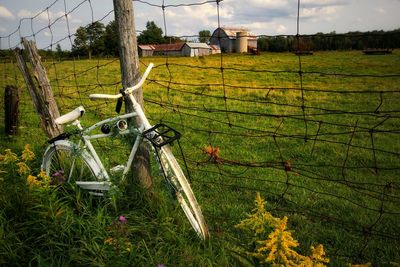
(160, 135)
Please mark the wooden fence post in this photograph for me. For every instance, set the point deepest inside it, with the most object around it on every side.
(43, 99)
(11, 101)
(129, 62)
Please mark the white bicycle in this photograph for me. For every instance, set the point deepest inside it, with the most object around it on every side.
(68, 161)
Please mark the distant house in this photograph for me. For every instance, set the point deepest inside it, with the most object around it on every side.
(146, 50)
(168, 49)
(196, 49)
(180, 49)
(215, 49)
(233, 40)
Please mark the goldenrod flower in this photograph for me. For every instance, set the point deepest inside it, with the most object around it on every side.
(128, 246)
(261, 218)
(109, 241)
(27, 154)
(23, 168)
(45, 178)
(318, 255)
(32, 180)
(278, 248)
(9, 156)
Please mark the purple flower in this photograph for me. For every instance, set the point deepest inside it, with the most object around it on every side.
(58, 173)
(160, 265)
(122, 219)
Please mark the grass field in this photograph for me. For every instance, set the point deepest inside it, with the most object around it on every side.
(321, 146)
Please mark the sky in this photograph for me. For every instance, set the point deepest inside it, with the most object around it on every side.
(31, 18)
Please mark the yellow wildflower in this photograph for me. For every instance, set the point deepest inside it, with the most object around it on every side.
(279, 247)
(318, 256)
(27, 154)
(128, 246)
(32, 180)
(9, 156)
(23, 168)
(261, 218)
(45, 178)
(109, 241)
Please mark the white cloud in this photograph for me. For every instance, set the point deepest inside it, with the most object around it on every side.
(190, 19)
(23, 13)
(43, 15)
(322, 2)
(318, 12)
(267, 3)
(381, 11)
(281, 29)
(264, 27)
(60, 15)
(5, 13)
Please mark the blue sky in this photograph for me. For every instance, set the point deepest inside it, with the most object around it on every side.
(269, 17)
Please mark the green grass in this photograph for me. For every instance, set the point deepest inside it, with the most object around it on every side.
(332, 194)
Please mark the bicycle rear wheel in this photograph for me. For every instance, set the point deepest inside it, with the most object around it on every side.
(175, 177)
(64, 163)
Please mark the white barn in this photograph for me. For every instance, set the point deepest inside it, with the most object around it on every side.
(196, 49)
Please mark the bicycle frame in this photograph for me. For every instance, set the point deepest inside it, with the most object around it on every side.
(144, 125)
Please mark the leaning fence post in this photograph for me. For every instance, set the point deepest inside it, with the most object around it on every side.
(40, 100)
(129, 62)
(11, 101)
(43, 81)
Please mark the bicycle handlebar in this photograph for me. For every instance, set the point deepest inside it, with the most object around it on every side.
(128, 90)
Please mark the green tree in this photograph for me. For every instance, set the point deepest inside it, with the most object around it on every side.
(111, 39)
(89, 40)
(59, 52)
(262, 43)
(204, 36)
(80, 46)
(95, 32)
(152, 35)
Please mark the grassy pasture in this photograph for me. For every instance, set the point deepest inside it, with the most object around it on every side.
(323, 149)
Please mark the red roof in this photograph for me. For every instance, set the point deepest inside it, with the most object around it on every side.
(168, 47)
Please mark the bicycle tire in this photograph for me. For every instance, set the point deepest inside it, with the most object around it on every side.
(175, 177)
(63, 162)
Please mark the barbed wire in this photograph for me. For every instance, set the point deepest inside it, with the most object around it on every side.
(300, 153)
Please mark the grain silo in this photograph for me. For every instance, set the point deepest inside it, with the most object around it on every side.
(241, 42)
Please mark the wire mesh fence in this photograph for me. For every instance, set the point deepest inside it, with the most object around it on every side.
(317, 135)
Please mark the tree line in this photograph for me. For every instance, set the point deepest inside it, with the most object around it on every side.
(331, 41)
(97, 39)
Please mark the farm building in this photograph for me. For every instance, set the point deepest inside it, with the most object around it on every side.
(196, 49)
(168, 49)
(215, 49)
(233, 40)
(181, 49)
(146, 50)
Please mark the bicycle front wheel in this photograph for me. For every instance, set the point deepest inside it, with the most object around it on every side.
(176, 179)
(63, 162)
